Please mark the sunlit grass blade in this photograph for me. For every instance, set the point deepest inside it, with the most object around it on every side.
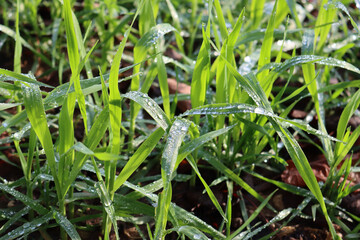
(201, 73)
(191, 232)
(20, 77)
(256, 13)
(168, 167)
(108, 205)
(345, 117)
(14, 219)
(65, 224)
(147, 17)
(24, 199)
(151, 107)
(221, 19)
(36, 114)
(164, 87)
(138, 157)
(18, 46)
(265, 53)
(309, 76)
(189, 147)
(91, 141)
(27, 227)
(325, 16)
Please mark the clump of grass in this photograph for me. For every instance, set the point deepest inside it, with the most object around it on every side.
(239, 122)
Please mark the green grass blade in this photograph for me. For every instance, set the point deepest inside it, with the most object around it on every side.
(36, 114)
(252, 217)
(303, 59)
(226, 171)
(144, 44)
(189, 147)
(221, 19)
(14, 219)
(17, 76)
(66, 225)
(257, 7)
(304, 168)
(201, 73)
(72, 46)
(341, 6)
(322, 26)
(139, 156)
(191, 232)
(18, 46)
(211, 195)
(4, 106)
(168, 166)
(151, 107)
(95, 135)
(164, 87)
(108, 205)
(24, 199)
(265, 53)
(56, 96)
(27, 227)
(147, 18)
(347, 114)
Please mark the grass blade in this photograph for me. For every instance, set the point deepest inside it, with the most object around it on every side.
(139, 156)
(66, 225)
(168, 163)
(265, 53)
(151, 107)
(108, 205)
(252, 217)
(28, 227)
(24, 199)
(36, 114)
(201, 73)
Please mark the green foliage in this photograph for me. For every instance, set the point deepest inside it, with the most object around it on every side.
(89, 145)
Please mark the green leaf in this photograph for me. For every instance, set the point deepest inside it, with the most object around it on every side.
(4, 106)
(191, 232)
(36, 114)
(108, 205)
(252, 217)
(66, 225)
(27, 227)
(201, 74)
(265, 53)
(21, 77)
(14, 218)
(164, 87)
(151, 107)
(230, 174)
(168, 166)
(91, 141)
(138, 157)
(189, 147)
